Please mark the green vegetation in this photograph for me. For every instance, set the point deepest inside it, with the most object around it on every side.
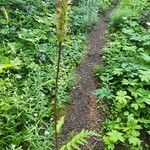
(28, 57)
(79, 139)
(28, 60)
(86, 13)
(125, 77)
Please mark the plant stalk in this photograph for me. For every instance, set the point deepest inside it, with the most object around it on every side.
(56, 93)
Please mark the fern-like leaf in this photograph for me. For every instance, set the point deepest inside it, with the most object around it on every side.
(146, 57)
(79, 139)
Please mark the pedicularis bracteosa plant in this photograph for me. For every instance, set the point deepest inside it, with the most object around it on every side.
(61, 29)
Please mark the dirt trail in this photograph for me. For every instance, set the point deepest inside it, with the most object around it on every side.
(83, 112)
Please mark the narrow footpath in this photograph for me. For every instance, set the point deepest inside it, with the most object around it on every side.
(83, 112)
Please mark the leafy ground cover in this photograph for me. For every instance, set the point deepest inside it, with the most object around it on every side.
(125, 77)
(28, 53)
(27, 70)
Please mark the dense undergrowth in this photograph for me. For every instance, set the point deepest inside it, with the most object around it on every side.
(125, 77)
(28, 53)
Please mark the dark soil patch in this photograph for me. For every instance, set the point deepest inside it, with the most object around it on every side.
(83, 112)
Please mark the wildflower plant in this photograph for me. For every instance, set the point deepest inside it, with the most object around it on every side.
(61, 31)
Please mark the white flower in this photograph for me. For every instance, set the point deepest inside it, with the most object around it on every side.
(148, 23)
(18, 76)
(36, 114)
(46, 132)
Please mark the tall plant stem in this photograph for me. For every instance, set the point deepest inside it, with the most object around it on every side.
(56, 93)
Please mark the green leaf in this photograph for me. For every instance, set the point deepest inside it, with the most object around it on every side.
(134, 140)
(130, 82)
(145, 75)
(146, 57)
(135, 106)
(122, 97)
(60, 123)
(118, 71)
(63, 147)
(147, 100)
(132, 123)
(103, 93)
(75, 146)
(79, 139)
(115, 136)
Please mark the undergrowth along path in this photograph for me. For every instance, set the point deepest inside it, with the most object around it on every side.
(83, 112)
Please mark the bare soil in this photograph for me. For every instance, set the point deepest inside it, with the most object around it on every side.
(83, 112)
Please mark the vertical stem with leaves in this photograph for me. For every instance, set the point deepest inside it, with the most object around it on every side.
(61, 29)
